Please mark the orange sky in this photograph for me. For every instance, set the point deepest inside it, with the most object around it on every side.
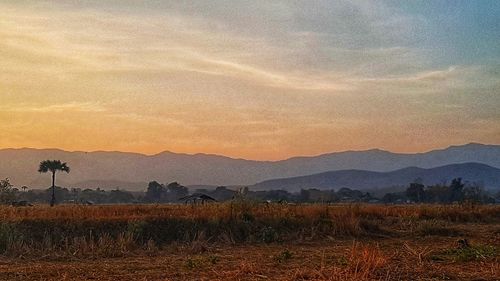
(149, 79)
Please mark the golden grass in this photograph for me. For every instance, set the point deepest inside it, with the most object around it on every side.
(246, 241)
(228, 210)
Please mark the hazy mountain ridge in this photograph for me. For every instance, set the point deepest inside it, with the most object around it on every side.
(364, 180)
(20, 165)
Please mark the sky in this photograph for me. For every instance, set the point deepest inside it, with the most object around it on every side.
(254, 79)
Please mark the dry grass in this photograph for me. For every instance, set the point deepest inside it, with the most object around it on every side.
(454, 213)
(248, 241)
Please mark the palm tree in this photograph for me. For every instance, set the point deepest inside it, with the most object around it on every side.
(53, 166)
(24, 188)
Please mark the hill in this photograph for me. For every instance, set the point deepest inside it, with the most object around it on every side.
(106, 168)
(363, 180)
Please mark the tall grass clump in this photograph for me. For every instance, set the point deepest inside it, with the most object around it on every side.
(8, 236)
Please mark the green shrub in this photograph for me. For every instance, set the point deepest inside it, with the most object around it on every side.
(283, 256)
(192, 263)
(472, 253)
(268, 235)
(8, 234)
(435, 228)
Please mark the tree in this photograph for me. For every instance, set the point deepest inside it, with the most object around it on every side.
(438, 193)
(222, 193)
(7, 194)
(475, 193)
(390, 197)
(154, 192)
(304, 195)
(53, 166)
(415, 192)
(456, 190)
(176, 191)
(119, 196)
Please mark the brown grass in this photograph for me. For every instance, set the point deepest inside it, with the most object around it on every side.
(454, 213)
(247, 241)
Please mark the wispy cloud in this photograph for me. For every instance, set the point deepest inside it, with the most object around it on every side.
(236, 74)
(55, 108)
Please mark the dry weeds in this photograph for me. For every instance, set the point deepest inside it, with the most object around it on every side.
(281, 242)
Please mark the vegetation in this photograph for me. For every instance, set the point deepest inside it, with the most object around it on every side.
(471, 253)
(173, 192)
(65, 228)
(243, 240)
(270, 231)
(457, 191)
(7, 192)
(53, 166)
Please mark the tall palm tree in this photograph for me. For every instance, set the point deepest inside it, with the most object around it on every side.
(53, 166)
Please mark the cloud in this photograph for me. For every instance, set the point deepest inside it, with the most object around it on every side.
(298, 50)
(194, 75)
(55, 108)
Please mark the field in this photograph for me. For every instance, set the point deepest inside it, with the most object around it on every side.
(250, 241)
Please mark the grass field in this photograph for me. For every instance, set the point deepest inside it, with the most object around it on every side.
(250, 241)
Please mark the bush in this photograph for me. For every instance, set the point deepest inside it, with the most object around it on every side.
(283, 256)
(269, 235)
(472, 253)
(435, 228)
(8, 235)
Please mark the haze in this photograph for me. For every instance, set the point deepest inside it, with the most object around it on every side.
(252, 79)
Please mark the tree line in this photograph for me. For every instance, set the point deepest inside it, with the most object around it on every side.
(416, 192)
(456, 191)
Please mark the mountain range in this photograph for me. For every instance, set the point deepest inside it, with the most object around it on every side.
(133, 170)
(482, 174)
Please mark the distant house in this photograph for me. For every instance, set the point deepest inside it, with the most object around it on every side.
(197, 198)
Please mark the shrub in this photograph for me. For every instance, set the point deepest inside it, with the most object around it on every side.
(283, 256)
(269, 235)
(465, 254)
(8, 235)
(435, 228)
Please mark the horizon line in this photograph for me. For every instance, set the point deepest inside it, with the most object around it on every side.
(255, 160)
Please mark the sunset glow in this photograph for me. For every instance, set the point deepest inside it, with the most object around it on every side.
(250, 79)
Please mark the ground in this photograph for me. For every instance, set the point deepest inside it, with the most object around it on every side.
(250, 241)
(366, 258)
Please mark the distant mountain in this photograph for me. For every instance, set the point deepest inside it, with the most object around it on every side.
(105, 169)
(363, 180)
